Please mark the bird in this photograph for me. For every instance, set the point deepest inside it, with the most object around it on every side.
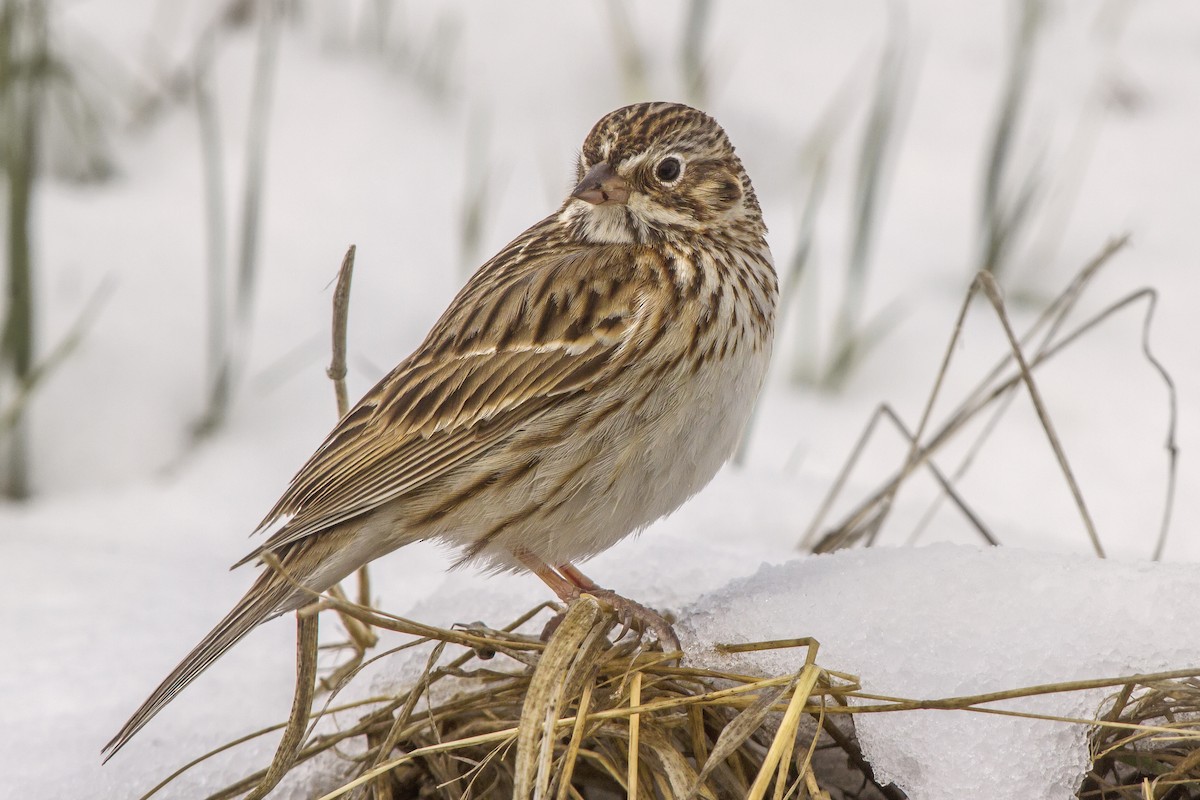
(586, 381)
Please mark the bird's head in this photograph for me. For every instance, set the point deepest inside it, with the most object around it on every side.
(659, 171)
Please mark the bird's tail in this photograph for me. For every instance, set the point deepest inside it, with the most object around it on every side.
(270, 596)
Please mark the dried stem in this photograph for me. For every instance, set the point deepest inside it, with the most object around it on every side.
(293, 734)
(307, 621)
(868, 515)
(23, 72)
(361, 636)
(61, 351)
(1001, 217)
(991, 289)
(341, 317)
(230, 319)
(878, 144)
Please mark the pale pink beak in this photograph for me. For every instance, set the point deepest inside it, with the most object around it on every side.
(602, 187)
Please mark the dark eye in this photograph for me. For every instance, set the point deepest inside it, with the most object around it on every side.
(668, 169)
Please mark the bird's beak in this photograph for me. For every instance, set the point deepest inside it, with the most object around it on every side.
(602, 187)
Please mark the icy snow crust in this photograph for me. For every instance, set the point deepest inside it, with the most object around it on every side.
(951, 620)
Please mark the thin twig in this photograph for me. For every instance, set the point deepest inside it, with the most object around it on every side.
(1171, 445)
(265, 64)
(884, 411)
(212, 161)
(392, 738)
(293, 734)
(915, 451)
(963, 702)
(229, 328)
(361, 635)
(1000, 218)
(879, 144)
(61, 351)
(870, 513)
(216, 751)
(24, 56)
(816, 154)
(341, 317)
(992, 290)
(1052, 318)
(635, 699)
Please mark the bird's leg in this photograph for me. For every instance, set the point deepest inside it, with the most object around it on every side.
(565, 589)
(572, 573)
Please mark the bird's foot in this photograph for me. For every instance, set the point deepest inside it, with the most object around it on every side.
(569, 583)
(632, 615)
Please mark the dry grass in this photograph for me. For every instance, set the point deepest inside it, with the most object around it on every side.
(499, 713)
(581, 717)
(1158, 756)
(1054, 331)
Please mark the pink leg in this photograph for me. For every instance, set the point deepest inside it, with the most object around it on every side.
(576, 577)
(564, 588)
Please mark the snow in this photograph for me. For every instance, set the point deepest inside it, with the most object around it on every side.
(118, 565)
(959, 621)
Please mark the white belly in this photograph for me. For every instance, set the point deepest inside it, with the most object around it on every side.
(653, 463)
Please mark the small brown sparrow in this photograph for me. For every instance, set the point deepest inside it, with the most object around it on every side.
(586, 381)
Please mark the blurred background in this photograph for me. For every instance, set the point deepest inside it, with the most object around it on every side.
(181, 180)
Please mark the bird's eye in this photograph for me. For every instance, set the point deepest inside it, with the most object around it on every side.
(668, 169)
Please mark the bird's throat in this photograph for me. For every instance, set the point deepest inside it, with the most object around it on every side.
(600, 224)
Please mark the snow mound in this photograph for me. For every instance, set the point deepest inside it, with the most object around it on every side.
(951, 620)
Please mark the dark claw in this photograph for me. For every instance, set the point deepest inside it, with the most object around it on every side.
(552, 625)
(626, 620)
(632, 616)
(635, 616)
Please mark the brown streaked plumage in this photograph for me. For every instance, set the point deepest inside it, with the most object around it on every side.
(586, 381)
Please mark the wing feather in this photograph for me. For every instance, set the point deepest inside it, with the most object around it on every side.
(465, 391)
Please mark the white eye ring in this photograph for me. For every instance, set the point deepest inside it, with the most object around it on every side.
(669, 170)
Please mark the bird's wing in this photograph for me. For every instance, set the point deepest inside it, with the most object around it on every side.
(513, 343)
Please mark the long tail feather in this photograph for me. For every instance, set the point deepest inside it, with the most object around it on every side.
(269, 597)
